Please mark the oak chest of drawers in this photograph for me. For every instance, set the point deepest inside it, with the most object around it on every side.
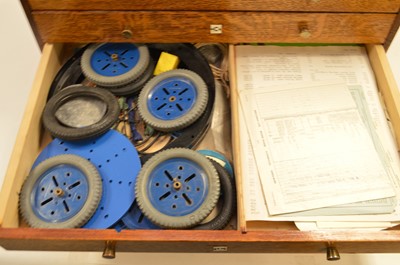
(58, 24)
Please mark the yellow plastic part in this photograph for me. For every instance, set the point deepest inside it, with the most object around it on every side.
(166, 62)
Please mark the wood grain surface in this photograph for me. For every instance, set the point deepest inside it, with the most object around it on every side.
(28, 143)
(282, 241)
(174, 26)
(223, 5)
(388, 89)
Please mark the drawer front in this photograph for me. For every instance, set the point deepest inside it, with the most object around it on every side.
(238, 5)
(199, 241)
(228, 27)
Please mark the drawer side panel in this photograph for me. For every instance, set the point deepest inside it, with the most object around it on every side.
(387, 87)
(28, 141)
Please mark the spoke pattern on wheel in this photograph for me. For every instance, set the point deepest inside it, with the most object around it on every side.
(187, 199)
(66, 206)
(183, 91)
(74, 185)
(43, 203)
(172, 98)
(105, 67)
(165, 196)
(190, 177)
(177, 188)
(168, 175)
(165, 91)
(114, 59)
(55, 181)
(162, 106)
(62, 193)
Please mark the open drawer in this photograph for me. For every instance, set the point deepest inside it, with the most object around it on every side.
(369, 22)
(15, 236)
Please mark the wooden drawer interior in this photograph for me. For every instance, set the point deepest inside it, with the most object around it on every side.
(278, 238)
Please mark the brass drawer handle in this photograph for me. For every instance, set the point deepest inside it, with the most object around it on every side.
(109, 249)
(332, 253)
(127, 34)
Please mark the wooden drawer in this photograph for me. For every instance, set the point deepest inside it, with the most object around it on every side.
(169, 26)
(312, 21)
(29, 142)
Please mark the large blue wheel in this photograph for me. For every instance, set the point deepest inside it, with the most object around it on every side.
(61, 192)
(114, 64)
(177, 188)
(173, 100)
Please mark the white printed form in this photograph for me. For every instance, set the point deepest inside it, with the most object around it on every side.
(311, 146)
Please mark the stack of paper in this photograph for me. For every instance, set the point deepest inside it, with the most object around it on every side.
(315, 144)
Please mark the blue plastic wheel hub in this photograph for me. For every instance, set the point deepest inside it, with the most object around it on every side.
(177, 187)
(113, 59)
(59, 193)
(172, 98)
(118, 164)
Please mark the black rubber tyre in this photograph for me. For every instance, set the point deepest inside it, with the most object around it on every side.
(59, 130)
(182, 221)
(31, 187)
(118, 80)
(190, 115)
(228, 198)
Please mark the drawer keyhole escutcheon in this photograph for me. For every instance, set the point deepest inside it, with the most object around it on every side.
(304, 31)
(109, 249)
(215, 29)
(332, 253)
(127, 34)
(220, 249)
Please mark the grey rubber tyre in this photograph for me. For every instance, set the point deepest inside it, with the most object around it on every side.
(134, 87)
(189, 115)
(145, 196)
(118, 80)
(228, 199)
(31, 187)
